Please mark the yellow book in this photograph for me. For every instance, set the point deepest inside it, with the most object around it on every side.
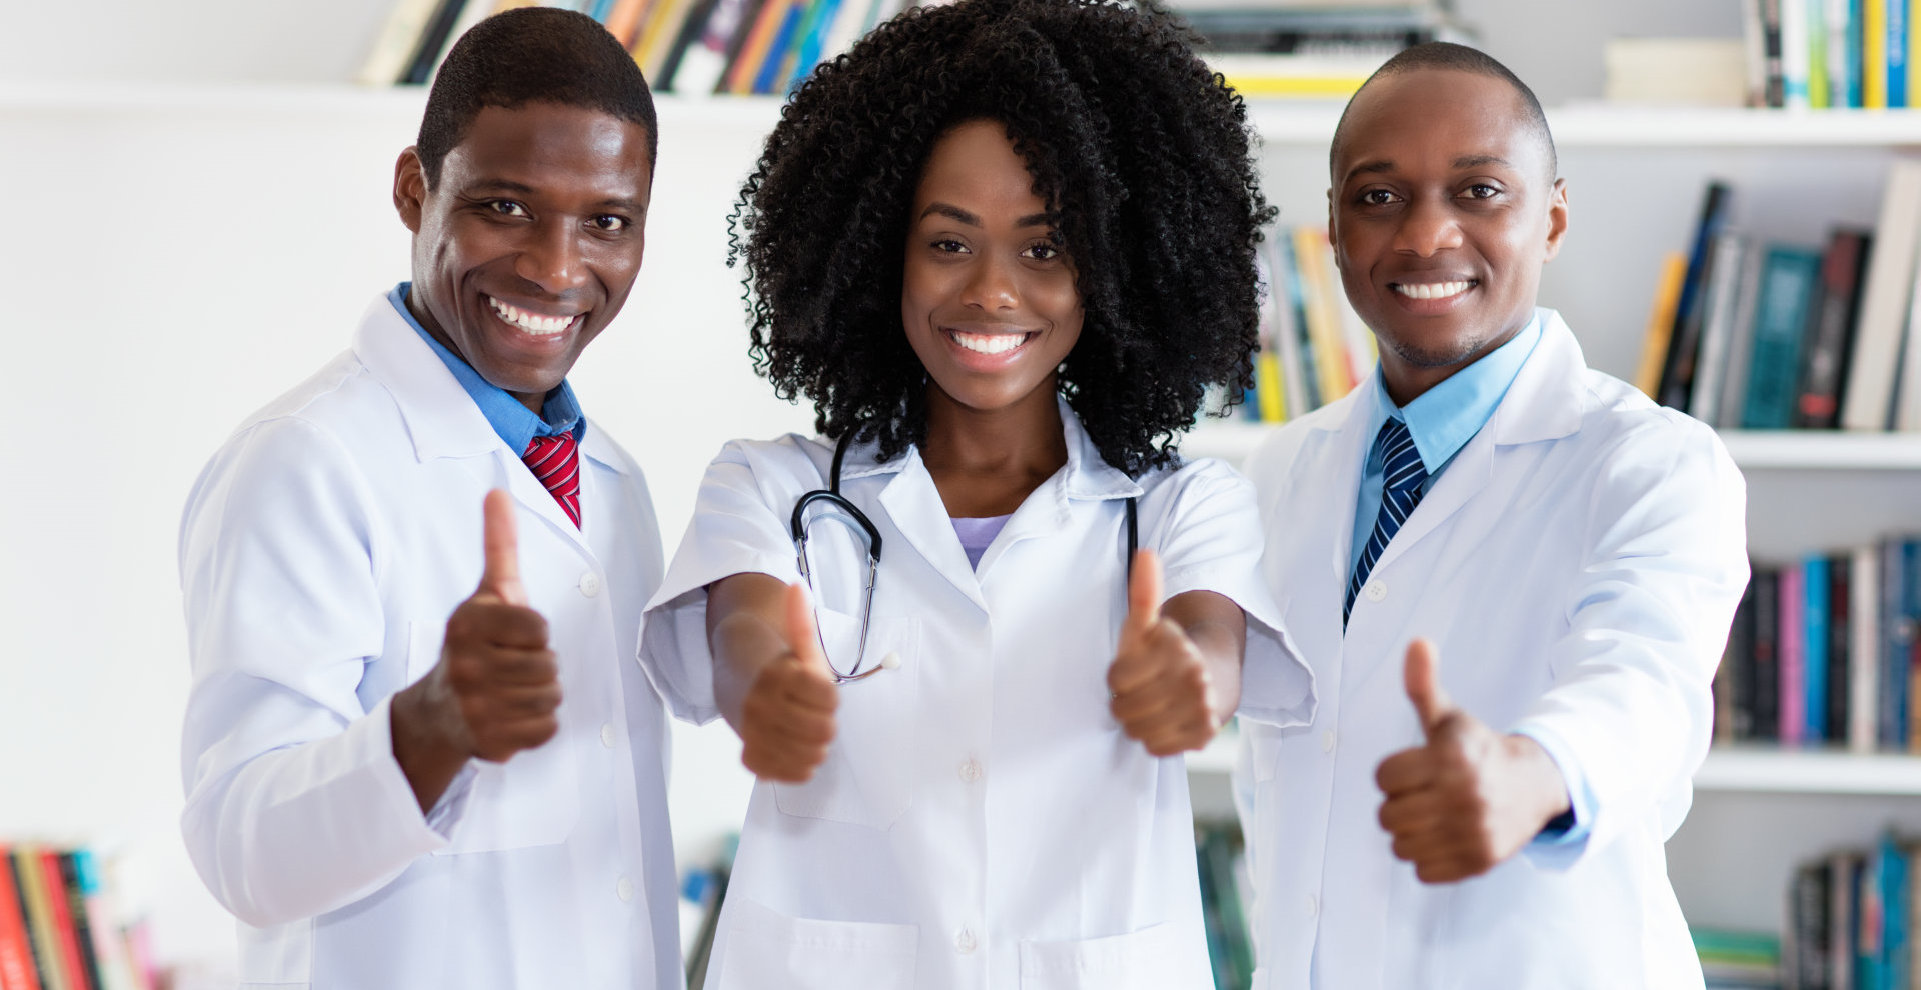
(1269, 392)
(1667, 298)
(1874, 53)
(32, 878)
(1333, 367)
(657, 35)
(740, 76)
(624, 21)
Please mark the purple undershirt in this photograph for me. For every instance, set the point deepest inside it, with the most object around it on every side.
(976, 534)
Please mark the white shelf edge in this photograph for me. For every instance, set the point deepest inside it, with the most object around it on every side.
(1601, 125)
(1736, 770)
(1233, 440)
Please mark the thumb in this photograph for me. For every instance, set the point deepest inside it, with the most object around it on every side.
(1143, 595)
(1431, 704)
(798, 627)
(500, 575)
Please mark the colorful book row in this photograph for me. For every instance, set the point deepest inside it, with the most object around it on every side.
(1823, 652)
(1314, 347)
(1850, 920)
(1817, 54)
(685, 46)
(57, 930)
(1750, 334)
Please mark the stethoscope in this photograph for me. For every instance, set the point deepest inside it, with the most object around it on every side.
(853, 518)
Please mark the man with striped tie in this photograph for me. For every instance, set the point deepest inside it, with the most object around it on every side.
(384, 785)
(1513, 577)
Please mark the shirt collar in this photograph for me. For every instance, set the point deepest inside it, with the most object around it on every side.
(514, 422)
(1444, 418)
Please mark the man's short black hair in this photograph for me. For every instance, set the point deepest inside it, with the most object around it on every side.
(531, 55)
(1458, 58)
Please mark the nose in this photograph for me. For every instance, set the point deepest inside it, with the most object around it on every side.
(992, 284)
(1428, 226)
(552, 257)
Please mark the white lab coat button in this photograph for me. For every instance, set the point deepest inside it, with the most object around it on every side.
(624, 889)
(970, 771)
(607, 734)
(1327, 741)
(590, 584)
(1313, 905)
(1375, 590)
(965, 942)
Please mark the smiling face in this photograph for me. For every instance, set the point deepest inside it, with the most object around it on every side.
(528, 245)
(1443, 211)
(988, 298)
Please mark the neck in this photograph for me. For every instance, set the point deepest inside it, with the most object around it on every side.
(986, 462)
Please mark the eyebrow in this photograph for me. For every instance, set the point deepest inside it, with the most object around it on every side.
(1464, 162)
(959, 215)
(523, 189)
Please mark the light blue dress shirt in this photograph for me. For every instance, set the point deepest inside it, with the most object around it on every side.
(516, 424)
(1442, 420)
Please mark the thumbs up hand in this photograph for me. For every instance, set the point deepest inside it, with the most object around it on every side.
(1468, 798)
(787, 717)
(1162, 692)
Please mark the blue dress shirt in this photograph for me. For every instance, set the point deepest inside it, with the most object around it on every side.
(1442, 420)
(516, 424)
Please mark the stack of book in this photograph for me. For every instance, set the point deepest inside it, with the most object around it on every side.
(57, 931)
(1314, 49)
(1314, 347)
(1851, 920)
(1734, 960)
(1823, 651)
(1754, 335)
(682, 46)
(1817, 54)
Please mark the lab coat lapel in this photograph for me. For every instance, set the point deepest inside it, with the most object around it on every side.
(442, 419)
(914, 506)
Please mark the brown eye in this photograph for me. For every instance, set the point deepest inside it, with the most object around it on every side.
(609, 224)
(1377, 197)
(507, 208)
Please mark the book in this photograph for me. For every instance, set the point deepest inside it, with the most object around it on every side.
(1830, 331)
(1684, 346)
(1864, 647)
(433, 40)
(1725, 272)
(1788, 288)
(1791, 644)
(1886, 293)
(1796, 45)
(1740, 345)
(1667, 300)
(1839, 692)
(1710, 72)
(17, 970)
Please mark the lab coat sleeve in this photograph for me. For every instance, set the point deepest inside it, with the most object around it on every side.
(1665, 566)
(1210, 540)
(739, 527)
(295, 804)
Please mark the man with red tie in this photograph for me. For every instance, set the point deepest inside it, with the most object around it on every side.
(394, 778)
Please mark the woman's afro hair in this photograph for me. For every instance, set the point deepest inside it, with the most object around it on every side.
(1140, 149)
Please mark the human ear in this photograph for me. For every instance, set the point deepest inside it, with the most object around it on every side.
(1330, 224)
(1556, 218)
(410, 188)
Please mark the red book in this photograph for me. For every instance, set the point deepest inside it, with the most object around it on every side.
(69, 946)
(16, 955)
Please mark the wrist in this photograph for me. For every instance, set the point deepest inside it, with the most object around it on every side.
(1546, 788)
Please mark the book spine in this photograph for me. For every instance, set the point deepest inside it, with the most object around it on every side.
(1895, 51)
(1830, 332)
(1684, 347)
(1792, 643)
(1767, 653)
(1788, 278)
(1864, 647)
(1814, 640)
(1796, 87)
(1874, 53)
(1839, 648)
(17, 971)
(1738, 669)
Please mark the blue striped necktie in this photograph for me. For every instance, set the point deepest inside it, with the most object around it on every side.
(1402, 475)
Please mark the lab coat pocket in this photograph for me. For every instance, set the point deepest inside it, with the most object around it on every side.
(768, 949)
(1149, 959)
(530, 800)
(868, 776)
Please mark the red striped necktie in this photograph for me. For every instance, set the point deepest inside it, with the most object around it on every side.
(555, 461)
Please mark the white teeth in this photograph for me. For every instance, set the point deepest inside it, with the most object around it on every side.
(989, 343)
(533, 323)
(1432, 290)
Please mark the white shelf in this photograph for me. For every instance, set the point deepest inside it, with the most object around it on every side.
(1602, 125)
(1233, 440)
(1773, 771)
(1757, 770)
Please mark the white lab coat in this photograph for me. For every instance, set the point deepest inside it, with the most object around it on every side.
(1578, 565)
(981, 820)
(321, 552)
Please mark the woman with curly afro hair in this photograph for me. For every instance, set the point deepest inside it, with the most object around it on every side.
(1004, 246)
